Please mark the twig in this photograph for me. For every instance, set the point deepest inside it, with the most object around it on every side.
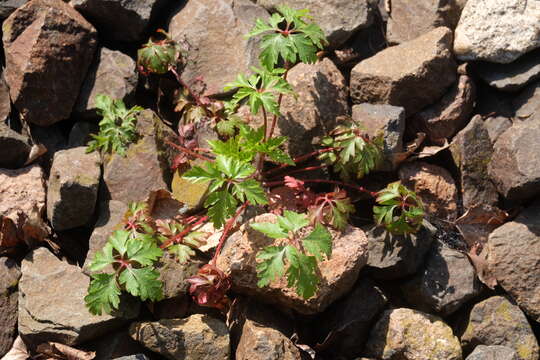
(189, 152)
(226, 230)
(320, 181)
(191, 92)
(299, 160)
(187, 230)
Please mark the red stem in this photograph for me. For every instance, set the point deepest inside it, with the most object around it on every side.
(191, 93)
(187, 230)
(227, 229)
(299, 160)
(187, 151)
(309, 168)
(320, 181)
(274, 120)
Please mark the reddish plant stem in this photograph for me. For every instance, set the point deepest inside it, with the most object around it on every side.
(187, 230)
(226, 230)
(280, 98)
(185, 85)
(309, 168)
(320, 181)
(298, 160)
(187, 151)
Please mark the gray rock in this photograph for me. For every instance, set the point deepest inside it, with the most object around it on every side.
(527, 103)
(493, 352)
(388, 119)
(115, 345)
(422, 77)
(9, 278)
(339, 19)
(497, 321)
(52, 138)
(51, 303)
(514, 171)
(133, 357)
(513, 258)
(9, 6)
(5, 102)
(14, 148)
(513, 76)
(119, 20)
(73, 188)
(396, 256)
(112, 73)
(174, 274)
(472, 150)
(496, 125)
(197, 337)
(498, 31)
(48, 45)
(411, 19)
(447, 281)
(215, 30)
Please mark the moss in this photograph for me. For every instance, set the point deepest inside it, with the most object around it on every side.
(85, 180)
(503, 310)
(525, 351)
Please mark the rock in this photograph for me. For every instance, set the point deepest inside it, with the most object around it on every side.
(496, 125)
(146, 165)
(215, 30)
(472, 150)
(447, 281)
(134, 357)
(434, 185)
(112, 73)
(22, 205)
(516, 173)
(174, 275)
(73, 188)
(496, 321)
(426, 68)
(527, 103)
(339, 19)
(120, 20)
(52, 138)
(494, 352)
(117, 345)
(48, 45)
(80, 133)
(9, 278)
(9, 6)
(5, 102)
(497, 31)
(388, 119)
(412, 335)
(513, 76)
(321, 97)
(395, 256)
(197, 337)
(443, 119)
(237, 259)
(14, 148)
(344, 327)
(411, 19)
(513, 258)
(46, 280)
(189, 193)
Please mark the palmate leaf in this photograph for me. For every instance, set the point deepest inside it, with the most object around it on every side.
(318, 243)
(103, 294)
(270, 229)
(302, 272)
(142, 282)
(158, 56)
(221, 206)
(103, 258)
(181, 252)
(270, 265)
(250, 190)
(292, 221)
(143, 251)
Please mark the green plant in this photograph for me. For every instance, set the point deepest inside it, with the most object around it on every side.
(117, 129)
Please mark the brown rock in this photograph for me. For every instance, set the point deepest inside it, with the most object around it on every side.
(443, 119)
(9, 278)
(215, 30)
(14, 147)
(9, 6)
(349, 255)
(496, 125)
(527, 103)
(434, 185)
(424, 70)
(49, 47)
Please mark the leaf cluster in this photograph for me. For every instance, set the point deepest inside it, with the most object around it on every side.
(117, 129)
(158, 56)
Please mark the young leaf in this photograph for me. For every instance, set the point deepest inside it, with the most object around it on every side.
(103, 258)
(157, 56)
(251, 190)
(182, 252)
(270, 266)
(103, 294)
(302, 272)
(143, 252)
(292, 221)
(269, 229)
(319, 242)
(221, 206)
(142, 282)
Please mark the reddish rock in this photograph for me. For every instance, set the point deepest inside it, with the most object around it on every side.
(9, 278)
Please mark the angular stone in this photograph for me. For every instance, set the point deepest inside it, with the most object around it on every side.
(339, 19)
(120, 20)
(237, 259)
(513, 76)
(497, 321)
(344, 327)
(146, 165)
(174, 274)
(116, 345)
(403, 257)
(527, 103)
(388, 119)
(498, 31)
(5, 102)
(215, 30)
(73, 188)
(80, 133)
(446, 282)
(514, 171)
(472, 150)
(443, 119)
(434, 185)
(51, 303)
(412, 335)
(9, 6)
(493, 352)
(188, 193)
(411, 19)
(425, 70)
(197, 337)
(52, 138)
(112, 73)
(496, 125)
(14, 148)
(133, 357)
(513, 258)
(9, 278)
(48, 46)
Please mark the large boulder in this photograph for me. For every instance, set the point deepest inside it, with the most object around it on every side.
(9, 6)
(338, 274)
(425, 70)
(497, 321)
(51, 303)
(498, 31)
(513, 258)
(215, 31)
(339, 19)
(493, 352)
(49, 47)
(73, 188)
(412, 335)
(9, 278)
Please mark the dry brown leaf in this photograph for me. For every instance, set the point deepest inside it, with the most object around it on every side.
(429, 151)
(18, 351)
(35, 152)
(410, 149)
(53, 351)
(162, 205)
(481, 267)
